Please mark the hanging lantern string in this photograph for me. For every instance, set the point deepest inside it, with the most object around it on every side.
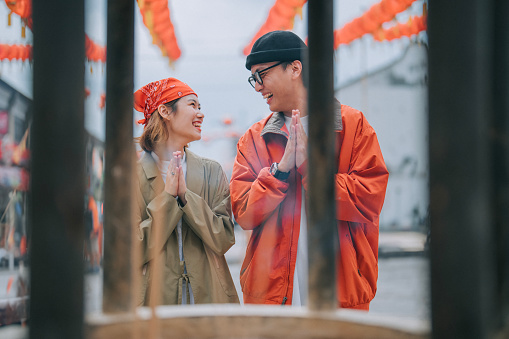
(281, 17)
(414, 26)
(156, 17)
(371, 21)
(15, 52)
(23, 8)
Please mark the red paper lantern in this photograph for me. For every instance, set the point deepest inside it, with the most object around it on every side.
(156, 17)
(371, 21)
(281, 17)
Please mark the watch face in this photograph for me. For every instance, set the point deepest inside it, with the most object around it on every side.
(273, 168)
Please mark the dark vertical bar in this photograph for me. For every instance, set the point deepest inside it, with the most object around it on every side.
(322, 226)
(501, 151)
(57, 170)
(118, 157)
(460, 113)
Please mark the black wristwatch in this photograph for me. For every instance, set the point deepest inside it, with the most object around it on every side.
(277, 173)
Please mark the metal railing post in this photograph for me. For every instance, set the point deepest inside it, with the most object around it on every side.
(500, 139)
(322, 225)
(460, 115)
(57, 170)
(118, 157)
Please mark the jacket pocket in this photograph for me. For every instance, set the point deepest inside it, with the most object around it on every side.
(355, 287)
(145, 283)
(367, 262)
(222, 272)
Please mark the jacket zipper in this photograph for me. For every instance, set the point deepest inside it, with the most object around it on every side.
(290, 257)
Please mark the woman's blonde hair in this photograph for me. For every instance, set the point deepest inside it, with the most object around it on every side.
(156, 130)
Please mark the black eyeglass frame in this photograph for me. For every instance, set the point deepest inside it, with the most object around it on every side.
(256, 77)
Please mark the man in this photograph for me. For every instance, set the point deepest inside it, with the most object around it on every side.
(269, 183)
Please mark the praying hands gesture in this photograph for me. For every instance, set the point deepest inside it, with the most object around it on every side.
(296, 147)
(175, 181)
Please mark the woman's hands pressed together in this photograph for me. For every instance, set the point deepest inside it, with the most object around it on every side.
(175, 179)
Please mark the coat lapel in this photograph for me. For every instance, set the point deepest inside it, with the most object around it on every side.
(194, 178)
(195, 173)
(149, 166)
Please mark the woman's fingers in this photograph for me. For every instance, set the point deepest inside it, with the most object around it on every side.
(182, 186)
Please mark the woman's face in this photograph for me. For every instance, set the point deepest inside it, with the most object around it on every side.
(185, 123)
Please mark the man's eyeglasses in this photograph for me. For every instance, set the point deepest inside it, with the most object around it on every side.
(256, 77)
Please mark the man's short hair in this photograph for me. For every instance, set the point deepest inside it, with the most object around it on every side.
(276, 46)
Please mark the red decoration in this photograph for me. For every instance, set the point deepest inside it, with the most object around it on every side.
(156, 17)
(23, 8)
(15, 52)
(414, 26)
(371, 21)
(281, 17)
(93, 51)
(102, 101)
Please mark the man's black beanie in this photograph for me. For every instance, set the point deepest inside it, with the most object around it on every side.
(276, 46)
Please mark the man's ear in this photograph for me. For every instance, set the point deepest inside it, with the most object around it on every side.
(296, 68)
(164, 112)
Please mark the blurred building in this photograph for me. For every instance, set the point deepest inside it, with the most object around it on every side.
(15, 116)
(394, 100)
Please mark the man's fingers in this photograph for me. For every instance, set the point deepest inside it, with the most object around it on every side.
(292, 137)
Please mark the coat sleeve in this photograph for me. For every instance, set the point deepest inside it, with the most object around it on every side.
(212, 223)
(256, 194)
(156, 221)
(360, 192)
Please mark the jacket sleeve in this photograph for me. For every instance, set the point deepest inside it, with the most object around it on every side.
(212, 224)
(256, 194)
(360, 192)
(161, 217)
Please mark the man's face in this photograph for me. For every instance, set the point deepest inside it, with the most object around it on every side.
(276, 87)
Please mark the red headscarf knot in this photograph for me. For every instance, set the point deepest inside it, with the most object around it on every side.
(149, 97)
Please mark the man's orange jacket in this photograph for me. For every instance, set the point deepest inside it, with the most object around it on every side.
(270, 208)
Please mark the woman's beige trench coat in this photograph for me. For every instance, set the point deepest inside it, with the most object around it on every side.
(207, 233)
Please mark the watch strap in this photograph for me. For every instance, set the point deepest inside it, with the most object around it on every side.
(277, 173)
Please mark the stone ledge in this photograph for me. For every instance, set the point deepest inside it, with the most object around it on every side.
(253, 321)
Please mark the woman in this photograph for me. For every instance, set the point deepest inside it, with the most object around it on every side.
(184, 211)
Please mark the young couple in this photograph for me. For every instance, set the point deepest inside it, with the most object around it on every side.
(185, 201)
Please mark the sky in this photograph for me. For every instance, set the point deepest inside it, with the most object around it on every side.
(211, 36)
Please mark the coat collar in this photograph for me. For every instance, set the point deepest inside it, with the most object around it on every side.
(276, 122)
(194, 176)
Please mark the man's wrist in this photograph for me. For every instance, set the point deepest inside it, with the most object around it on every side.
(278, 173)
(282, 167)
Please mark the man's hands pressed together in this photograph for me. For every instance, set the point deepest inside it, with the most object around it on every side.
(296, 147)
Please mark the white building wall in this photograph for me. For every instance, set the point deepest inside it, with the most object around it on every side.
(394, 100)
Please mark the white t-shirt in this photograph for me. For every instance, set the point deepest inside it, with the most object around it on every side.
(300, 276)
